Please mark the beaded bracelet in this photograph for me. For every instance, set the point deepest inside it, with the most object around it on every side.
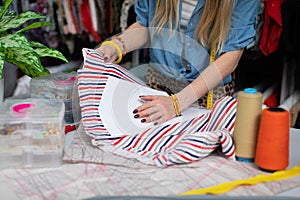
(120, 56)
(176, 105)
(123, 43)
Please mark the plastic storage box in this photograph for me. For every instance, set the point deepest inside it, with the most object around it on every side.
(31, 133)
(58, 86)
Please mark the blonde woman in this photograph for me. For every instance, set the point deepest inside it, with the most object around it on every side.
(183, 37)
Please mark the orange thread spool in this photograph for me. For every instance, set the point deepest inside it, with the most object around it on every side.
(272, 151)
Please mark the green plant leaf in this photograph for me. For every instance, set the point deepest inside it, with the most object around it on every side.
(5, 7)
(9, 14)
(2, 59)
(14, 40)
(5, 19)
(27, 60)
(35, 44)
(34, 25)
(20, 20)
(15, 47)
(44, 52)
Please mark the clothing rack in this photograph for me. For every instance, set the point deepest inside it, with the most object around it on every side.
(95, 19)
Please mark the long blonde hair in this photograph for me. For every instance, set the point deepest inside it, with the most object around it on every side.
(212, 28)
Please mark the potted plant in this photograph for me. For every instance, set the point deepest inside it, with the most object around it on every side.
(16, 49)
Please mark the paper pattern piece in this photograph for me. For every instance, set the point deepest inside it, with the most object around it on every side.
(118, 176)
(167, 144)
(121, 97)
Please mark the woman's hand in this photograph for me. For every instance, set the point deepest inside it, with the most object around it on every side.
(109, 53)
(157, 109)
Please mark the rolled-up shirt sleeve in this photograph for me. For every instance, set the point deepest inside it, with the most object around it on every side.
(242, 29)
(142, 12)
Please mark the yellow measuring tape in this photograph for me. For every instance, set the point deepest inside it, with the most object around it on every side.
(225, 187)
(210, 93)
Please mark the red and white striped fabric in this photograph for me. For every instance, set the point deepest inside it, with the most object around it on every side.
(178, 143)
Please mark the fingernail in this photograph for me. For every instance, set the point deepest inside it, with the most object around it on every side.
(141, 96)
(135, 111)
(136, 116)
(105, 58)
(143, 120)
(155, 123)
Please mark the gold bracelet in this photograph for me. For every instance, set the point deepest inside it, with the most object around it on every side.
(117, 48)
(123, 43)
(176, 105)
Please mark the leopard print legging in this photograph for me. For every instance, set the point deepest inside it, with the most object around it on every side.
(159, 81)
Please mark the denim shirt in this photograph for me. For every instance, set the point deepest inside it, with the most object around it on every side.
(166, 48)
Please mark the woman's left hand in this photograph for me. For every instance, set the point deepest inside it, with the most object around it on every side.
(157, 109)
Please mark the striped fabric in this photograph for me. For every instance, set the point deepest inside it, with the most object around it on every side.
(163, 145)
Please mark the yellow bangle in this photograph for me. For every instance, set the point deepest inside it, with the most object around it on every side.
(117, 48)
(176, 105)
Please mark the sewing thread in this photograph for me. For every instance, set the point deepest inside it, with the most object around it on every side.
(272, 152)
(246, 128)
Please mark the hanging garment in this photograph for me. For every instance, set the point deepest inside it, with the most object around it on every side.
(126, 5)
(87, 21)
(101, 17)
(162, 145)
(71, 25)
(272, 26)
